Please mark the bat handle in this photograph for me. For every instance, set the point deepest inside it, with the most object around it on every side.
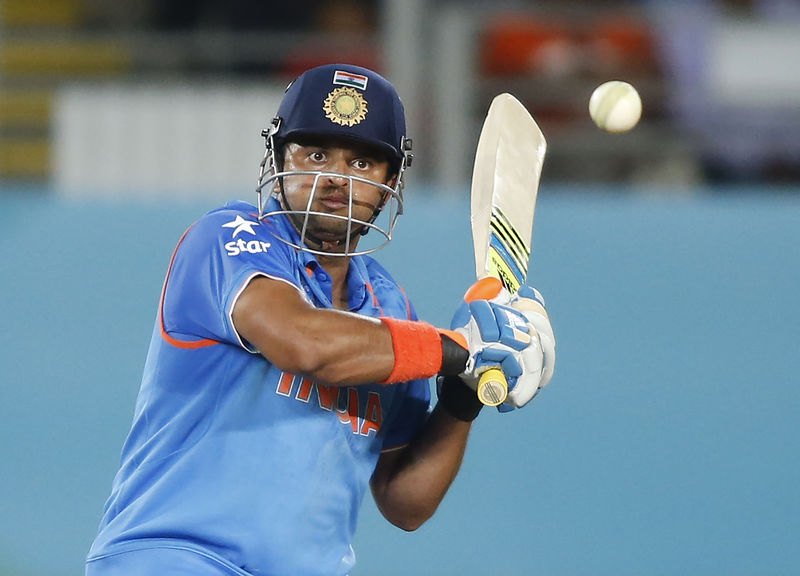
(492, 387)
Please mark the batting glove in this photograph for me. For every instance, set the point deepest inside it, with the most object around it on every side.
(496, 335)
(512, 332)
(539, 358)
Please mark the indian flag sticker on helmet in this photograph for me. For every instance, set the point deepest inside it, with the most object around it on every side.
(349, 79)
(345, 106)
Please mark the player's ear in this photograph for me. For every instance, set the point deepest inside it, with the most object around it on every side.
(385, 197)
(391, 182)
(281, 150)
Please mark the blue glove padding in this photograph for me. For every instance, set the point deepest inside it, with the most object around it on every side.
(495, 356)
(529, 292)
(501, 324)
(495, 334)
(512, 332)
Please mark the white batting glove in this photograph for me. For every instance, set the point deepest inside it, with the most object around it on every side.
(539, 358)
(509, 331)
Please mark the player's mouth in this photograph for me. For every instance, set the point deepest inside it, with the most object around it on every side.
(335, 202)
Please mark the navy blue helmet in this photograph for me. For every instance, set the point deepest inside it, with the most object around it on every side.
(347, 103)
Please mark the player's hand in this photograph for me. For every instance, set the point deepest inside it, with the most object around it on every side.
(539, 358)
(496, 334)
(512, 332)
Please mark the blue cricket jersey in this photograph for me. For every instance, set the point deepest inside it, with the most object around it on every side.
(230, 458)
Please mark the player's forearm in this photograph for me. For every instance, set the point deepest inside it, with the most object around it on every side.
(329, 346)
(345, 349)
(336, 347)
(409, 488)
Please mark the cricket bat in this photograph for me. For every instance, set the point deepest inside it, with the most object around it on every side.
(505, 183)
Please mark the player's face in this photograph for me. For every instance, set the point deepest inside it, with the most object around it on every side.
(333, 190)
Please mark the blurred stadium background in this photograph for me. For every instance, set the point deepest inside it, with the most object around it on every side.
(668, 441)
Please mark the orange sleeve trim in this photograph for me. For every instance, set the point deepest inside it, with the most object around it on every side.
(408, 302)
(185, 344)
(375, 298)
(417, 350)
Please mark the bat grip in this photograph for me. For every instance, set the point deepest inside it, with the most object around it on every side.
(492, 387)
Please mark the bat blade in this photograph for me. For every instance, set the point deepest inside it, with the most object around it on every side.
(505, 184)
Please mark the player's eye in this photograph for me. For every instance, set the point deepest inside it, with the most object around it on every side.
(362, 164)
(317, 156)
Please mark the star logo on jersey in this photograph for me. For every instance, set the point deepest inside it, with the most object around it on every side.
(241, 225)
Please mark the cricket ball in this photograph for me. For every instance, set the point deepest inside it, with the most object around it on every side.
(615, 106)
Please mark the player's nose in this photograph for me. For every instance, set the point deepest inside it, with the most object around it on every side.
(338, 166)
(337, 180)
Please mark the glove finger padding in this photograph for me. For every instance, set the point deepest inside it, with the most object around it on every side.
(529, 302)
(495, 333)
(538, 359)
(529, 381)
(485, 355)
(500, 356)
(498, 323)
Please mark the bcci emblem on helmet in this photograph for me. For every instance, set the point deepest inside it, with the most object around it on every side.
(345, 106)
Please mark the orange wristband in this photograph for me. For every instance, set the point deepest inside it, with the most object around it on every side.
(417, 350)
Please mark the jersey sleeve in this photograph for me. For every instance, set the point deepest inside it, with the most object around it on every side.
(213, 263)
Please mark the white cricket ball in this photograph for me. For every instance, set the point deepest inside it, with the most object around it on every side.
(615, 106)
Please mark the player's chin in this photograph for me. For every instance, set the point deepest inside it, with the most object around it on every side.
(339, 234)
(336, 240)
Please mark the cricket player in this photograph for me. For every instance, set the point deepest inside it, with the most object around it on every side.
(287, 371)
